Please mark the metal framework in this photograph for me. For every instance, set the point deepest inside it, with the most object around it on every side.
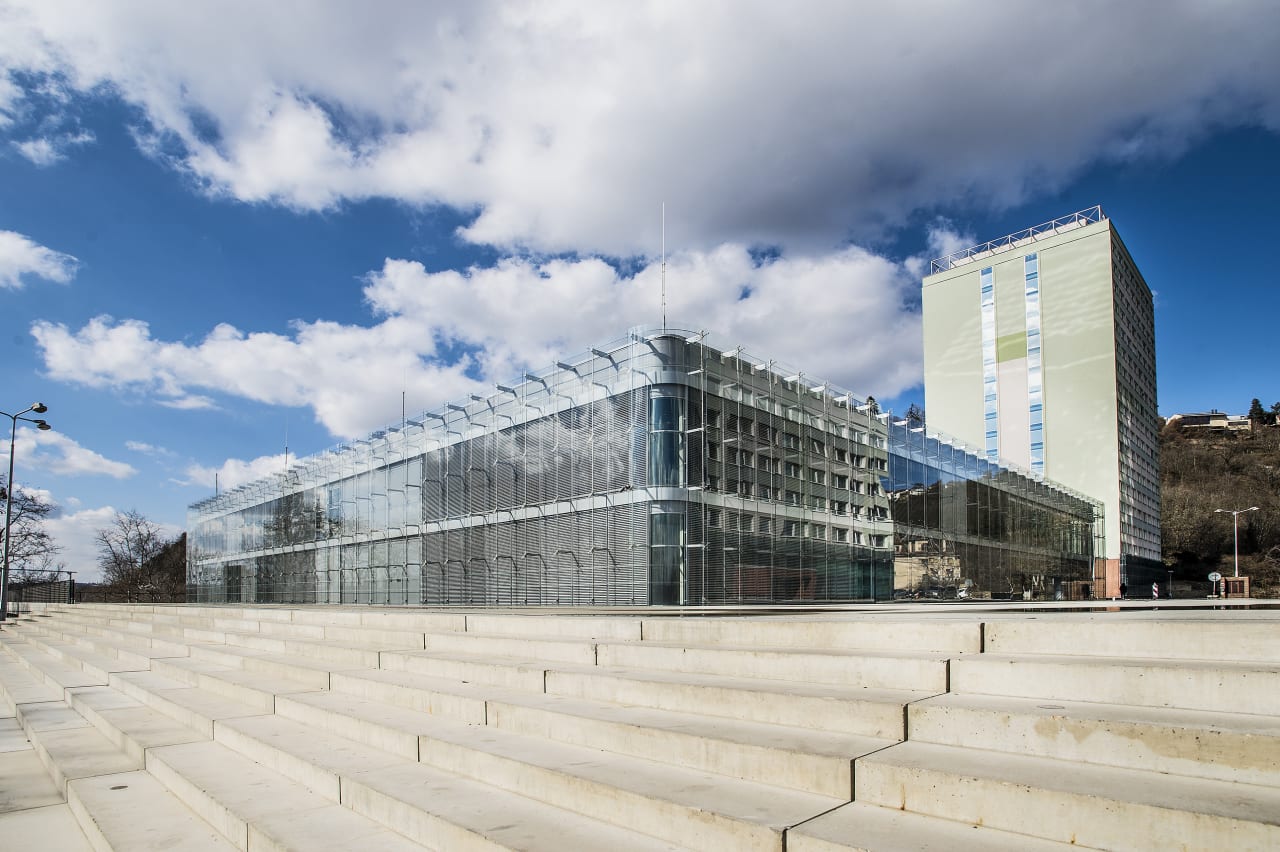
(1018, 239)
(656, 470)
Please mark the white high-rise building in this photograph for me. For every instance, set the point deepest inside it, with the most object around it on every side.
(1039, 350)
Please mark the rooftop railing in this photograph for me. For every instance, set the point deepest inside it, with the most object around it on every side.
(1088, 216)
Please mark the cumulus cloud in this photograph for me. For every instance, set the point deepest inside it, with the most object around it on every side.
(564, 125)
(233, 472)
(516, 314)
(21, 257)
(147, 449)
(55, 453)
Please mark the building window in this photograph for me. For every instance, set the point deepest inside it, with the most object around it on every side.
(841, 533)
(1035, 376)
(817, 477)
(842, 456)
(791, 469)
(840, 480)
(790, 528)
(792, 498)
(764, 492)
(766, 525)
(990, 391)
(713, 517)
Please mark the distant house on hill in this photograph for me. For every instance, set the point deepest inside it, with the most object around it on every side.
(1212, 421)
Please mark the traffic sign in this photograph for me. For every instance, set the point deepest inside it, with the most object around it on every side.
(1215, 577)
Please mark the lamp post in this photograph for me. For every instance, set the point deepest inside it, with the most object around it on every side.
(1235, 529)
(37, 408)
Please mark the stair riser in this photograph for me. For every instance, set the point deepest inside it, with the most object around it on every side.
(391, 740)
(1053, 814)
(1205, 753)
(460, 707)
(317, 779)
(210, 810)
(828, 776)
(887, 636)
(1162, 640)
(1144, 685)
(412, 822)
(871, 672)
(529, 678)
(872, 719)
(690, 827)
(579, 653)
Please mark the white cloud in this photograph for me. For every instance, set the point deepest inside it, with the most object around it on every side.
(20, 257)
(234, 472)
(55, 453)
(847, 321)
(47, 150)
(147, 449)
(566, 124)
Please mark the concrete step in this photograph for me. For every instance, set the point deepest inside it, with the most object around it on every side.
(19, 685)
(861, 633)
(133, 811)
(75, 655)
(1211, 636)
(68, 746)
(45, 667)
(25, 784)
(256, 808)
(575, 627)
(919, 671)
(516, 673)
(679, 805)
(829, 707)
(579, 651)
(800, 758)
(313, 673)
(1092, 806)
(130, 725)
(436, 808)
(1220, 687)
(1222, 746)
(48, 827)
(111, 642)
(857, 827)
(259, 690)
(196, 708)
(797, 758)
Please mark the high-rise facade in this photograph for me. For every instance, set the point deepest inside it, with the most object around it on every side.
(1039, 351)
(658, 469)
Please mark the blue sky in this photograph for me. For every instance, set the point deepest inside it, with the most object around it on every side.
(221, 226)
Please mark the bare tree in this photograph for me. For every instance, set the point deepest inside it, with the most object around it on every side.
(33, 549)
(138, 562)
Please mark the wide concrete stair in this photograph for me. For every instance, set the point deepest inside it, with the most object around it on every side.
(317, 728)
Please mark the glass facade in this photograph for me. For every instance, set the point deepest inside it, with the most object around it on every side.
(656, 470)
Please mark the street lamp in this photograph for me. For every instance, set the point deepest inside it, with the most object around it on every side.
(1235, 527)
(37, 408)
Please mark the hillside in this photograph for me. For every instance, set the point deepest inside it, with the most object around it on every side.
(1203, 472)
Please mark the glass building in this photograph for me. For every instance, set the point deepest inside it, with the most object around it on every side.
(657, 470)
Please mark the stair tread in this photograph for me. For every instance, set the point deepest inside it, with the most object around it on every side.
(858, 826)
(1173, 717)
(281, 809)
(113, 804)
(749, 801)
(1233, 800)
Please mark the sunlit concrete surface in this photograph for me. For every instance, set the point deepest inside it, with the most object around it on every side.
(940, 725)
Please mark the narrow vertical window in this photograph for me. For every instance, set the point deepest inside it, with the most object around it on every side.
(1035, 372)
(990, 399)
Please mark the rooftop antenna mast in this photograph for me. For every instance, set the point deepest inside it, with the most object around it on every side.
(664, 267)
